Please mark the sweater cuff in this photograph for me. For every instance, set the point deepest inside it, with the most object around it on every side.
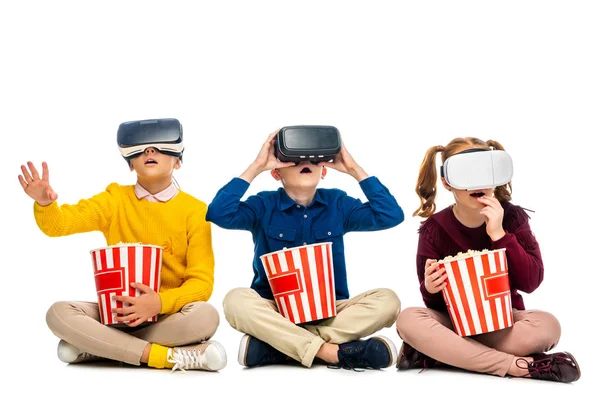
(167, 303)
(47, 217)
(503, 241)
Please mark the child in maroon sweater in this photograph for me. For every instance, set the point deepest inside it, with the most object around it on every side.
(478, 222)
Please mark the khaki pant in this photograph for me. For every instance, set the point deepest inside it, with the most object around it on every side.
(356, 318)
(78, 323)
(431, 332)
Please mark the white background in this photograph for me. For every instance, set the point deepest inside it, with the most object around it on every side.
(395, 77)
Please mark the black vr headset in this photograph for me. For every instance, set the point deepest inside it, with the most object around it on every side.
(314, 143)
(165, 135)
(477, 168)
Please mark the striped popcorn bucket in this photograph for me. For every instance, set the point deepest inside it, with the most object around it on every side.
(301, 279)
(478, 293)
(116, 267)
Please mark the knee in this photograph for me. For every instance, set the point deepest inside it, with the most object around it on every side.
(207, 320)
(406, 320)
(233, 304)
(388, 305)
(550, 331)
(56, 315)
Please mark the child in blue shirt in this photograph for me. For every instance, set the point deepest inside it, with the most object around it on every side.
(300, 214)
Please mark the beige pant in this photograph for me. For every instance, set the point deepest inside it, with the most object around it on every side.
(356, 318)
(431, 332)
(78, 323)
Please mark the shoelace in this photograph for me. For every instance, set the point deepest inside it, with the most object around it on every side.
(185, 359)
(540, 367)
(346, 363)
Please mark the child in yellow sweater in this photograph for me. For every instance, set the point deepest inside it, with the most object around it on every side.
(155, 212)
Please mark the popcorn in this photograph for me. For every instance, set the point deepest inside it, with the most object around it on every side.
(460, 254)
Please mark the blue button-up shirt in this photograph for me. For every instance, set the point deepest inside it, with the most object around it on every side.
(276, 221)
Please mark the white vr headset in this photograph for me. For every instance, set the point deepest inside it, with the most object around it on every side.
(478, 169)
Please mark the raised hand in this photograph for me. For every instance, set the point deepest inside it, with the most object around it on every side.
(345, 163)
(265, 160)
(140, 308)
(493, 213)
(37, 188)
(435, 277)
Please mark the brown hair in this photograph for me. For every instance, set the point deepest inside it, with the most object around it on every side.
(426, 183)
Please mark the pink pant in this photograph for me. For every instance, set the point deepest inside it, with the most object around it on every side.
(431, 333)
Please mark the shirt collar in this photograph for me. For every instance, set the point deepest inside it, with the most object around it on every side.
(163, 196)
(286, 201)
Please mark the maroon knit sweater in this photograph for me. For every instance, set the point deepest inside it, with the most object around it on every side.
(443, 235)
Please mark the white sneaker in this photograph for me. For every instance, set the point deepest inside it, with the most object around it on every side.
(209, 356)
(70, 354)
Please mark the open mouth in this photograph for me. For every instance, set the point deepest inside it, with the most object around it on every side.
(477, 194)
(306, 170)
(150, 161)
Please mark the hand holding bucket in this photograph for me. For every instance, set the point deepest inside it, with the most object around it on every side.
(116, 267)
(478, 292)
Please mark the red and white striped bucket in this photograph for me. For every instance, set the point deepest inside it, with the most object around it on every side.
(478, 293)
(116, 267)
(302, 282)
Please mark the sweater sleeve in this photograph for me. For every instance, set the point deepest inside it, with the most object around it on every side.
(198, 279)
(524, 258)
(93, 214)
(426, 250)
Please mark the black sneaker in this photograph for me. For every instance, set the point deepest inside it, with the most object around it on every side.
(254, 352)
(374, 353)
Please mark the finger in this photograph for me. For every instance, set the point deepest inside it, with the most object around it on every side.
(438, 273)
(51, 194)
(429, 261)
(135, 323)
(272, 136)
(124, 310)
(439, 280)
(125, 299)
(431, 269)
(45, 172)
(126, 318)
(23, 183)
(284, 164)
(141, 287)
(26, 174)
(34, 172)
(489, 201)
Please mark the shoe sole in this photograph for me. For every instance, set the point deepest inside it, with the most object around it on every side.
(243, 350)
(576, 364)
(391, 348)
(222, 356)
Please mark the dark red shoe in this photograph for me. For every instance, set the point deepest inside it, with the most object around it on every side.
(411, 358)
(557, 367)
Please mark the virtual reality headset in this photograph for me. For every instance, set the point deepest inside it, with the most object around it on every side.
(314, 143)
(165, 135)
(478, 169)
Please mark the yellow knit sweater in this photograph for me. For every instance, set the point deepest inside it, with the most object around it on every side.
(178, 225)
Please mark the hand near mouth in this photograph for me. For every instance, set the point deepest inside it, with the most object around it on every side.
(493, 213)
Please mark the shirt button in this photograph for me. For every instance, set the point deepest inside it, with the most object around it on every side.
(329, 233)
(297, 205)
(305, 216)
(305, 243)
(281, 235)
